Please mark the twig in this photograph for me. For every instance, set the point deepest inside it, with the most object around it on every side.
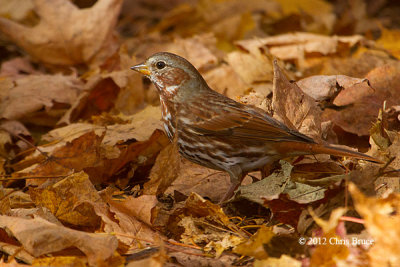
(351, 219)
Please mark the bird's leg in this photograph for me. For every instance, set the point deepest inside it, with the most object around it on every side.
(230, 192)
(236, 180)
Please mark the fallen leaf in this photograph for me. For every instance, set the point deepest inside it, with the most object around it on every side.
(69, 37)
(164, 171)
(323, 87)
(194, 50)
(64, 159)
(269, 188)
(390, 40)
(197, 230)
(186, 259)
(157, 260)
(254, 247)
(16, 10)
(100, 151)
(320, 12)
(131, 93)
(19, 254)
(331, 250)
(201, 221)
(251, 65)
(27, 97)
(206, 182)
(293, 107)
(17, 68)
(138, 126)
(29, 213)
(40, 237)
(224, 80)
(297, 46)
(130, 220)
(365, 100)
(70, 200)
(381, 220)
(66, 261)
(228, 20)
(283, 261)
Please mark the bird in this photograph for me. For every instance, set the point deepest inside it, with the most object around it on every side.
(217, 132)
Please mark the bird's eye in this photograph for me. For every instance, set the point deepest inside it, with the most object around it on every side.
(160, 65)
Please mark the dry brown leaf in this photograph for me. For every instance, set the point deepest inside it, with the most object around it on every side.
(40, 237)
(259, 99)
(224, 80)
(195, 50)
(18, 199)
(15, 128)
(389, 182)
(251, 64)
(324, 87)
(297, 46)
(16, 10)
(82, 152)
(294, 107)
(87, 153)
(319, 13)
(132, 223)
(141, 207)
(228, 20)
(381, 221)
(100, 151)
(74, 200)
(41, 212)
(201, 180)
(99, 96)
(164, 171)
(385, 83)
(70, 200)
(17, 68)
(18, 253)
(199, 50)
(131, 94)
(139, 126)
(28, 95)
(67, 35)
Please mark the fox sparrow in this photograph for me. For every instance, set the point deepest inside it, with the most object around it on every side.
(217, 132)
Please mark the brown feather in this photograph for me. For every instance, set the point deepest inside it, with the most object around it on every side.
(295, 148)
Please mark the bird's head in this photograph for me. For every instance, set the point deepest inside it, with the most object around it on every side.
(171, 74)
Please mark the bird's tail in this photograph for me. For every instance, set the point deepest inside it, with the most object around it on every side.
(312, 149)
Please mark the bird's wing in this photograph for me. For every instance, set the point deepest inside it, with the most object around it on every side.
(235, 120)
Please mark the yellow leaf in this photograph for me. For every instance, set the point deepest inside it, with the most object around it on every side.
(60, 261)
(390, 40)
(254, 247)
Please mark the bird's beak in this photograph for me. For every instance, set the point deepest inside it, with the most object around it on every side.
(142, 68)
